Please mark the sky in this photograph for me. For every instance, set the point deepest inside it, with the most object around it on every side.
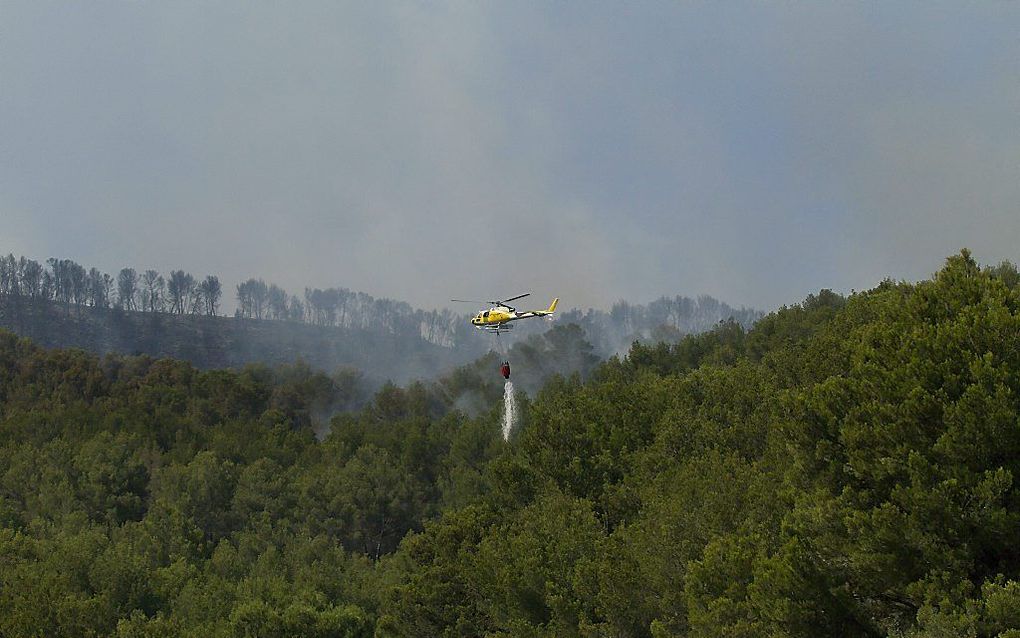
(594, 151)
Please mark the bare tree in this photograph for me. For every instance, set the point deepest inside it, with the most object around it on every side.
(244, 302)
(98, 289)
(252, 299)
(179, 291)
(276, 303)
(153, 288)
(196, 299)
(323, 305)
(211, 291)
(259, 298)
(107, 288)
(30, 272)
(8, 275)
(309, 306)
(60, 281)
(127, 288)
(48, 290)
(296, 311)
(79, 284)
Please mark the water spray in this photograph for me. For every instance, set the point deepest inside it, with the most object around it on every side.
(509, 401)
(509, 409)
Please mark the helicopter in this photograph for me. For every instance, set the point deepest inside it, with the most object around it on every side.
(498, 318)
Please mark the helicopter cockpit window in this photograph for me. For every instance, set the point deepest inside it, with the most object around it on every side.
(485, 314)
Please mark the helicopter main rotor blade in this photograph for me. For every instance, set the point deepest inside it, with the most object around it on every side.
(513, 298)
(469, 301)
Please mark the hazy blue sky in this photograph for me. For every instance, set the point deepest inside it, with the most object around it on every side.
(753, 151)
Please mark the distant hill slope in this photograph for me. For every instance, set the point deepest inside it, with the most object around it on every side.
(63, 304)
(220, 342)
(408, 345)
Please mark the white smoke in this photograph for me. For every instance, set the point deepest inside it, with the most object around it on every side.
(509, 409)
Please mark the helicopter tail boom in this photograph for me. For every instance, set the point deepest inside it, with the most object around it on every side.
(542, 313)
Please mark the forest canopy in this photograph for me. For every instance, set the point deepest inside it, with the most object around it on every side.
(845, 467)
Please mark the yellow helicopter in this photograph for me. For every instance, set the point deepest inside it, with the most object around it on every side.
(498, 318)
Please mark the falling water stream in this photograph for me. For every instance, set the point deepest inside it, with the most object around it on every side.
(509, 409)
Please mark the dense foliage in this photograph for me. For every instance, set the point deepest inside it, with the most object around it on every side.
(847, 467)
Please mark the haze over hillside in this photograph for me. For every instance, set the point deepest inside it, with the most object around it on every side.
(65, 304)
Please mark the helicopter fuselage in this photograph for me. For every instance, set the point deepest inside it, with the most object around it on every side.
(493, 317)
(498, 318)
